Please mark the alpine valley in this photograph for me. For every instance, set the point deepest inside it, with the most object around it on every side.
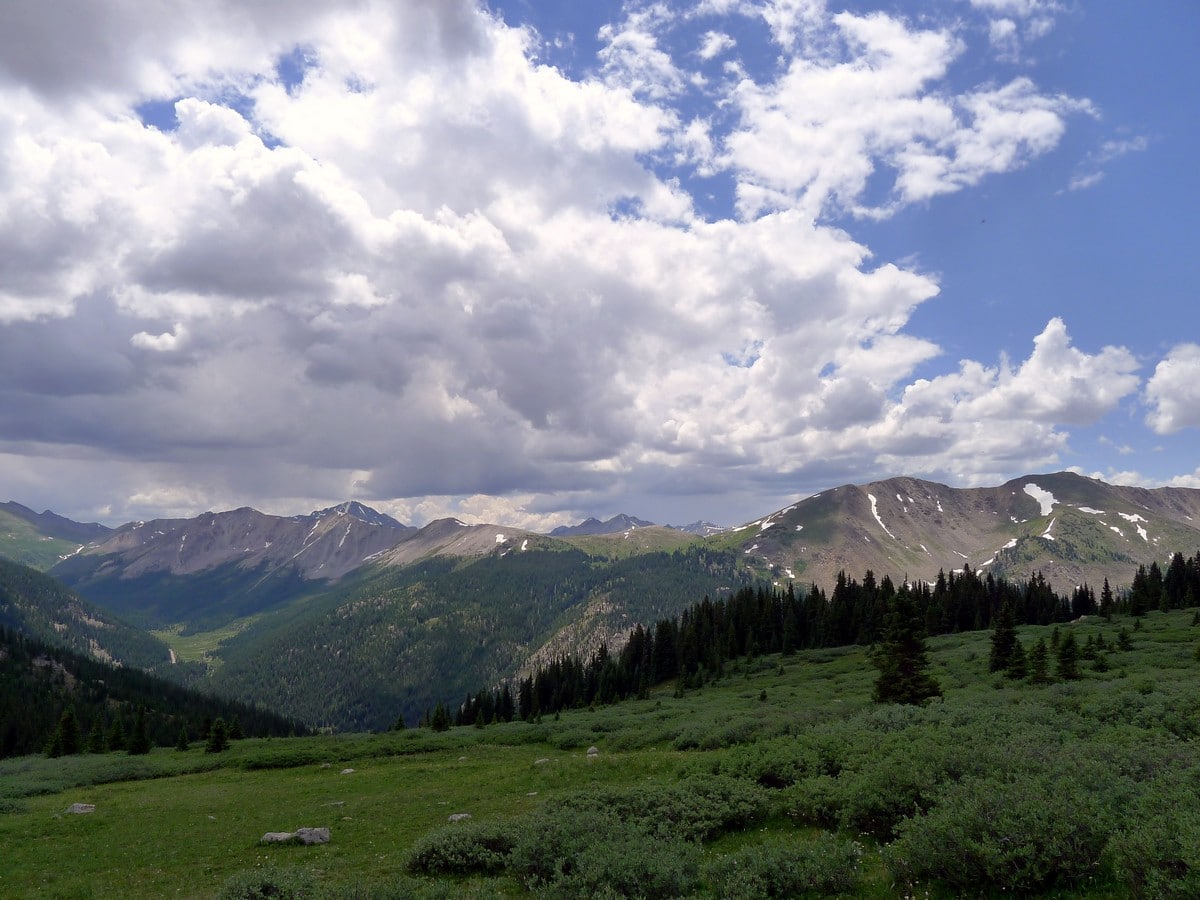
(348, 619)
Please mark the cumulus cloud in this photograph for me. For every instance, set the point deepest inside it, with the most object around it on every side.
(815, 137)
(426, 270)
(1173, 391)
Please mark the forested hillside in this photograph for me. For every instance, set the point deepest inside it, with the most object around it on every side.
(42, 608)
(39, 683)
(697, 646)
(404, 639)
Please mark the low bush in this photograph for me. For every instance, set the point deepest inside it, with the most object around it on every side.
(277, 883)
(1155, 851)
(563, 853)
(1024, 833)
(823, 867)
(462, 848)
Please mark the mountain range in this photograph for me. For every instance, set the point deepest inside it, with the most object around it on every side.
(349, 618)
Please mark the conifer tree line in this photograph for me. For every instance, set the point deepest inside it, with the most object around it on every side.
(696, 646)
(59, 702)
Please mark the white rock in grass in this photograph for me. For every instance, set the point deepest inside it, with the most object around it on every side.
(78, 809)
(459, 817)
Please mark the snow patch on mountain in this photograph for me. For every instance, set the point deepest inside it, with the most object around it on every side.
(875, 513)
(1044, 498)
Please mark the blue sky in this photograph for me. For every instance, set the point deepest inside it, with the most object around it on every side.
(530, 263)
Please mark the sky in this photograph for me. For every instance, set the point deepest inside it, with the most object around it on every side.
(532, 262)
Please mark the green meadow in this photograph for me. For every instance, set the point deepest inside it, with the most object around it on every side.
(782, 778)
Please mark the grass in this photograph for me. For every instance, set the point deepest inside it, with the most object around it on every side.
(184, 824)
(200, 646)
(21, 542)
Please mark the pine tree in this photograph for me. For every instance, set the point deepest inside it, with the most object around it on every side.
(235, 730)
(218, 738)
(65, 741)
(902, 657)
(1004, 640)
(95, 740)
(1018, 666)
(440, 720)
(1067, 658)
(1124, 641)
(1039, 672)
(116, 735)
(139, 741)
(182, 743)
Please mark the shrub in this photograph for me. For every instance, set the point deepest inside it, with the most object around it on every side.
(826, 866)
(693, 809)
(776, 763)
(1156, 851)
(282, 884)
(561, 852)
(1025, 833)
(462, 848)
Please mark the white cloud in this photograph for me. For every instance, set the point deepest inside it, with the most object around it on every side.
(438, 275)
(714, 44)
(816, 136)
(1173, 391)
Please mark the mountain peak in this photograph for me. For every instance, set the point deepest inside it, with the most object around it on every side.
(592, 525)
(360, 511)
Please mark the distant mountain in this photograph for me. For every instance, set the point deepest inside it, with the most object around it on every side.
(42, 539)
(616, 524)
(346, 617)
(701, 528)
(1070, 528)
(219, 566)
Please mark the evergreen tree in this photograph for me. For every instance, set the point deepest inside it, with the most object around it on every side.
(1018, 666)
(235, 730)
(1039, 672)
(218, 737)
(1107, 601)
(902, 657)
(182, 743)
(1124, 641)
(1067, 658)
(65, 741)
(95, 740)
(1004, 640)
(116, 735)
(440, 720)
(139, 741)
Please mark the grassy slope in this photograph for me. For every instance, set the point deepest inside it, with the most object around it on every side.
(21, 542)
(185, 834)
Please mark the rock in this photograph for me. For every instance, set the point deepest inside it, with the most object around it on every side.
(542, 761)
(347, 771)
(306, 836)
(78, 809)
(459, 817)
(593, 751)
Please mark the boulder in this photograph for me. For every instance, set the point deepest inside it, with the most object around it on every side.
(459, 817)
(593, 751)
(78, 809)
(306, 836)
(309, 836)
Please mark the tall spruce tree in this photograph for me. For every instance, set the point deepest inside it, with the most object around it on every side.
(1067, 657)
(1004, 640)
(139, 741)
(902, 657)
(1039, 671)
